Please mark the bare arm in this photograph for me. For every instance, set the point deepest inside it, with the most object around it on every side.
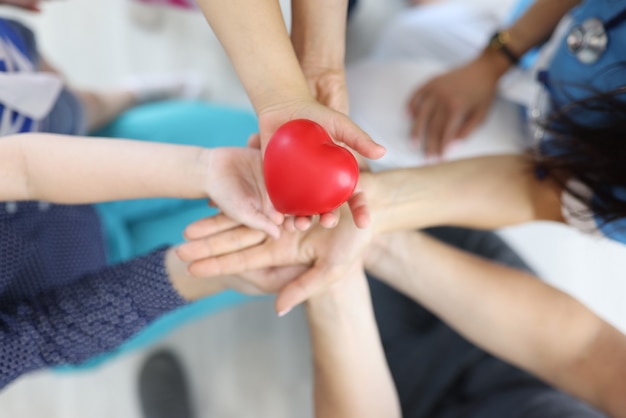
(511, 314)
(318, 35)
(71, 170)
(255, 37)
(530, 30)
(452, 105)
(537, 24)
(485, 192)
(351, 375)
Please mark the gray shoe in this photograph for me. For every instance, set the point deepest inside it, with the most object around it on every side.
(163, 390)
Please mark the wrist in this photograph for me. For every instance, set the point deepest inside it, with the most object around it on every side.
(346, 298)
(283, 94)
(189, 288)
(410, 198)
(494, 63)
(201, 171)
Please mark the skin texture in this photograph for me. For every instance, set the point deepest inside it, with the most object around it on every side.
(123, 169)
(505, 311)
(450, 106)
(486, 192)
(509, 313)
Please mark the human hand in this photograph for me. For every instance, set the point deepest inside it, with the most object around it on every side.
(339, 127)
(235, 184)
(449, 107)
(219, 246)
(356, 202)
(328, 86)
(259, 282)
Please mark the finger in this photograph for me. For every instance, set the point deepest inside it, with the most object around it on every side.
(301, 289)
(223, 243)
(254, 141)
(303, 223)
(451, 129)
(290, 224)
(209, 226)
(413, 105)
(258, 220)
(434, 133)
(254, 258)
(359, 209)
(354, 137)
(420, 123)
(473, 121)
(275, 216)
(330, 219)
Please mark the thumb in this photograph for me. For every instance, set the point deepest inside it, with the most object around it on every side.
(259, 220)
(301, 289)
(354, 137)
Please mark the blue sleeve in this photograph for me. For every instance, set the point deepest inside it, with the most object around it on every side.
(70, 324)
(615, 230)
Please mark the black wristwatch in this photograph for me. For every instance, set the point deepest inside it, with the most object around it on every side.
(499, 42)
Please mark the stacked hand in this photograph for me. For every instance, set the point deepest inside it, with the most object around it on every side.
(235, 184)
(219, 246)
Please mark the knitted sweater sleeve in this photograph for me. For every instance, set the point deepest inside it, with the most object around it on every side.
(70, 324)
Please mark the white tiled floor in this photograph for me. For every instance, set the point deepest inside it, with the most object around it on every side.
(244, 362)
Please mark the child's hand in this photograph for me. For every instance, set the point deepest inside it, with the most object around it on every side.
(235, 184)
(259, 282)
(219, 246)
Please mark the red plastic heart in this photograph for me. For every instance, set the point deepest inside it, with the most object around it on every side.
(306, 173)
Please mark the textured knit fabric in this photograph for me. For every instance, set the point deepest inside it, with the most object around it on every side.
(94, 314)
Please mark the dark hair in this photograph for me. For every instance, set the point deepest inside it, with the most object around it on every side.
(593, 153)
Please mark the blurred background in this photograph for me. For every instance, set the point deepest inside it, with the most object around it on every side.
(243, 361)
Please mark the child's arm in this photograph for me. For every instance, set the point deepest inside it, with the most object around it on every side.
(72, 170)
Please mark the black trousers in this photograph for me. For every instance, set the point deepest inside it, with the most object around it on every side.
(441, 375)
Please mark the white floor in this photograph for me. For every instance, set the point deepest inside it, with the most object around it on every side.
(244, 362)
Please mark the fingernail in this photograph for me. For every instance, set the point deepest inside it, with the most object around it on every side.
(283, 313)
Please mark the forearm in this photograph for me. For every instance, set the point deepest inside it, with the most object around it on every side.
(485, 192)
(319, 31)
(537, 24)
(510, 314)
(351, 374)
(255, 37)
(75, 170)
(530, 30)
